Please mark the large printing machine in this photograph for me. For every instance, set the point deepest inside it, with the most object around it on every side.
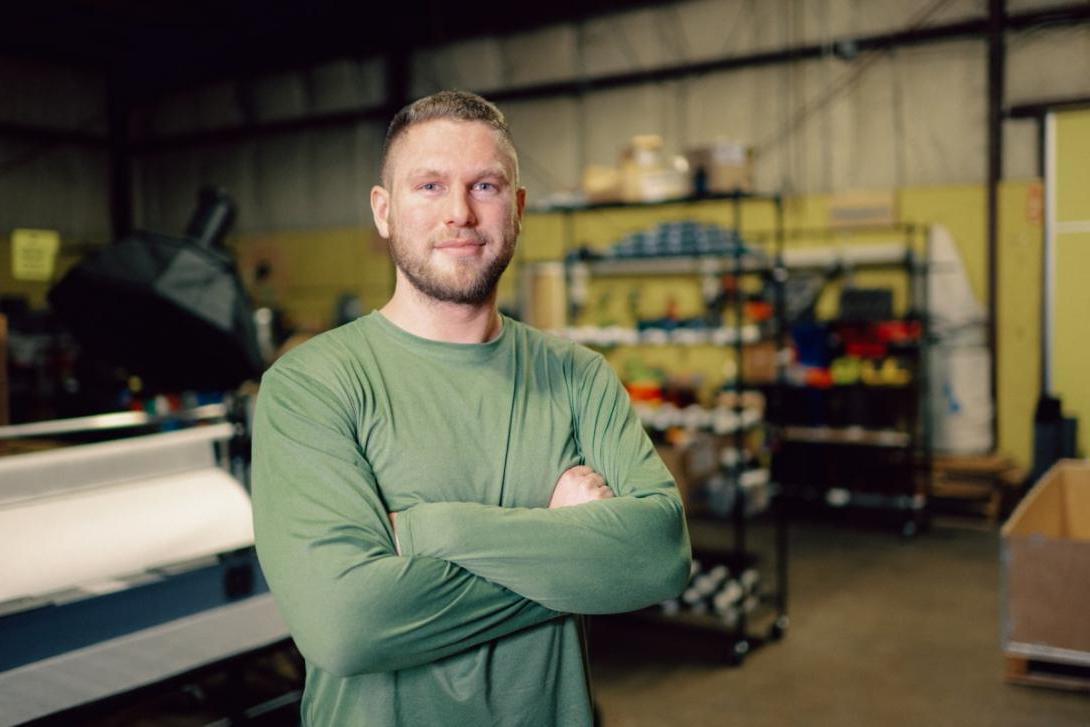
(126, 555)
(125, 563)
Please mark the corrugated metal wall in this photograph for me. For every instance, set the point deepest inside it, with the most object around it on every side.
(914, 116)
(48, 184)
(309, 179)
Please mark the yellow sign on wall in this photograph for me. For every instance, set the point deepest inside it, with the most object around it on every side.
(34, 254)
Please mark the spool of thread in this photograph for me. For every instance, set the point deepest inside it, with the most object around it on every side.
(728, 596)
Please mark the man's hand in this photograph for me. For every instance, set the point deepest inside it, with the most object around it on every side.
(578, 485)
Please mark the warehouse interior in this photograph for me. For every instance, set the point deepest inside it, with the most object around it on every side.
(835, 250)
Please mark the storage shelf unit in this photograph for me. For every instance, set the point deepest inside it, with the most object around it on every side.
(858, 446)
(761, 615)
(604, 336)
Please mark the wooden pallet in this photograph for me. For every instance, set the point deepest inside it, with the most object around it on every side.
(1041, 673)
(985, 485)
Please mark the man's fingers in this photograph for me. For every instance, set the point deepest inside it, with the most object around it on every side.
(579, 484)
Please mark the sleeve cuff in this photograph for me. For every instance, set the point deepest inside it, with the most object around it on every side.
(403, 534)
(422, 528)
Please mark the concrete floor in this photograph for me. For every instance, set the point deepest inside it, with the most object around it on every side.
(884, 631)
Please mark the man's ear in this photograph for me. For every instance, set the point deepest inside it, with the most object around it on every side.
(380, 210)
(520, 206)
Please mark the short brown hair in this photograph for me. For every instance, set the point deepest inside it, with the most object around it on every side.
(454, 105)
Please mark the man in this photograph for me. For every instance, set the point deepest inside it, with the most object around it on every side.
(439, 491)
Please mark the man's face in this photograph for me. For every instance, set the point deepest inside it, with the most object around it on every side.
(451, 209)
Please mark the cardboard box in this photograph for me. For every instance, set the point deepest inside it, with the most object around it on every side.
(601, 184)
(1045, 561)
(727, 166)
(648, 175)
(759, 363)
(975, 483)
(655, 185)
(691, 463)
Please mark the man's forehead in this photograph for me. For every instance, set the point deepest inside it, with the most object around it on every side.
(428, 168)
(430, 144)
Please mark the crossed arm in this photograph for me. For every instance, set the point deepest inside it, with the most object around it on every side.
(325, 545)
(469, 573)
(578, 485)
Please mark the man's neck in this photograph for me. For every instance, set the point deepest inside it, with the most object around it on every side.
(435, 320)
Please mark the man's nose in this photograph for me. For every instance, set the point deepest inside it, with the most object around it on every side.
(460, 210)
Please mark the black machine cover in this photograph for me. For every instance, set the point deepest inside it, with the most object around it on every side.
(169, 309)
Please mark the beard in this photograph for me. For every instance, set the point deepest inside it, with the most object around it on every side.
(470, 282)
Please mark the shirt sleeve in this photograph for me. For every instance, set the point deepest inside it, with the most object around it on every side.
(605, 556)
(325, 546)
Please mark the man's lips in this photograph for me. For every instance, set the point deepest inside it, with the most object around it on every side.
(457, 243)
(461, 247)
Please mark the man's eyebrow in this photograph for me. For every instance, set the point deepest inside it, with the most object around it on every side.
(425, 172)
(497, 171)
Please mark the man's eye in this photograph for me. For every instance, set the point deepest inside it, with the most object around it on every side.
(430, 186)
(485, 187)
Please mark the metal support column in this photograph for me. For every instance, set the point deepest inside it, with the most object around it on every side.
(996, 62)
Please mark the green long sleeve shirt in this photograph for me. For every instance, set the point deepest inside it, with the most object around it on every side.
(476, 622)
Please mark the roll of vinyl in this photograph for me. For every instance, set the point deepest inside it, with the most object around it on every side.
(91, 538)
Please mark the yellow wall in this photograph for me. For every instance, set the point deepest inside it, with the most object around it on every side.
(1071, 352)
(1019, 316)
(312, 269)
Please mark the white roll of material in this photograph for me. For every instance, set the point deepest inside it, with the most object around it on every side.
(136, 505)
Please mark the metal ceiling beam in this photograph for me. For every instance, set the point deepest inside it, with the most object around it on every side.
(51, 135)
(972, 28)
(586, 85)
(1058, 15)
(1037, 109)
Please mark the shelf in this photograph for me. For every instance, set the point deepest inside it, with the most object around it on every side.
(719, 420)
(848, 435)
(760, 619)
(739, 484)
(877, 255)
(713, 197)
(674, 265)
(736, 457)
(709, 621)
(814, 259)
(622, 336)
(838, 497)
(753, 487)
(856, 386)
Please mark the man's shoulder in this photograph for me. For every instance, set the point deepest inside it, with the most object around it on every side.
(556, 347)
(541, 342)
(325, 352)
